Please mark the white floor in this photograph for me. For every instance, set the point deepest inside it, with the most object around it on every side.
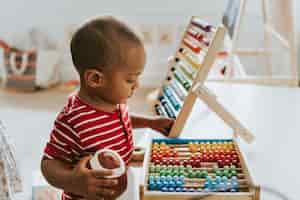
(28, 118)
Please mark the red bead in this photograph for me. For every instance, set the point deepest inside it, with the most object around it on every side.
(197, 163)
(157, 162)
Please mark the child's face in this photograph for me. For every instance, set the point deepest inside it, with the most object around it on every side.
(121, 82)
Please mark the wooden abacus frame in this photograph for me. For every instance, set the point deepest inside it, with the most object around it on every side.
(200, 75)
(199, 90)
(253, 194)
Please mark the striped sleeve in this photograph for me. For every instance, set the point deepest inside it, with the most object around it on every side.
(64, 143)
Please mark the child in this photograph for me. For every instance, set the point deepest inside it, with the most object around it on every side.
(109, 58)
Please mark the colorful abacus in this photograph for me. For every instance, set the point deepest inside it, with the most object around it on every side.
(183, 71)
(177, 167)
(192, 61)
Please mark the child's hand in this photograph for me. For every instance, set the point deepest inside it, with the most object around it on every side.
(162, 125)
(91, 184)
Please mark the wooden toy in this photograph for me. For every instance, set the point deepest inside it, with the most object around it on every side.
(186, 76)
(195, 169)
(279, 37)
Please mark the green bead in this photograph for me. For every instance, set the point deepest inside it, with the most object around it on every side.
(218, 173)
(162, 173)
(204, 174)
(191, 174)
(198, 174)
(229, 175)
(233, 172)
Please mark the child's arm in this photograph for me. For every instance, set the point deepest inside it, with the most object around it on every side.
(79, 179)
(160, 124)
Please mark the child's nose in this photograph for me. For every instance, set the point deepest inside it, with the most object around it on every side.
(136, 85)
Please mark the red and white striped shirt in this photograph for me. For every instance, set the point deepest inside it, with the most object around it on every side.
(81, 129)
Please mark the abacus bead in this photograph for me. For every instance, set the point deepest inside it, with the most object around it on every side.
(162, 178)
(184, 189)
(151, 186)
(171, 189)
(198, 174)
(199, 190)
(234, 173)
(222, 186)
(234, 178)
(218, 179)
(206, 184)
(159, 184)
(235, 184)
(204, 174)
(191, 190)
(169, 178)
(206, 190)
(224, 178)
(151, 178)
(165, 189)
(213, 184)
(218, 173)
(178, 189)
(172, 184)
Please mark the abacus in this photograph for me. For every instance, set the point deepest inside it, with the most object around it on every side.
(195, 55)
(185, 79)
(195, 169)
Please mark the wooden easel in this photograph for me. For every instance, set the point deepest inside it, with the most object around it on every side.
(278, 25)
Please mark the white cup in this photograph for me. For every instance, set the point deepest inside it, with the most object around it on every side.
(117, 172)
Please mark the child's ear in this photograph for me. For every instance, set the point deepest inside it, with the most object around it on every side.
(94, 78)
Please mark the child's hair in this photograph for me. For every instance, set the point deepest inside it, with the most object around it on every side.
(99, 43)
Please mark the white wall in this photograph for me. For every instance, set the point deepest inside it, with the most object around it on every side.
(55, 15)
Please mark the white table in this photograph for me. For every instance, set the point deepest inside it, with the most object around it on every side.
(272, 115)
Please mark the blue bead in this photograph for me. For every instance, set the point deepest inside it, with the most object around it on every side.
(159, 184)
(208, 178)
(181, 178)
(199, 190)
(206, 190)
(234, 178)
(235, 185)
(151, 182)
(191, 190)
(178, 189)
(162, 178)
(175, 178)
(206, 184)
(151, 178)
(172, 184)
(164, 189)
(179, 183)
(165, 183)
(224, 178)
(169, 178)
(213, 185)
(171, 189)
(233, 190)
(218, 179)
(184, 189)
(152, 187)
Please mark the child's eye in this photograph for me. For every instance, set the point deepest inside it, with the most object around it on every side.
(130, 81)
